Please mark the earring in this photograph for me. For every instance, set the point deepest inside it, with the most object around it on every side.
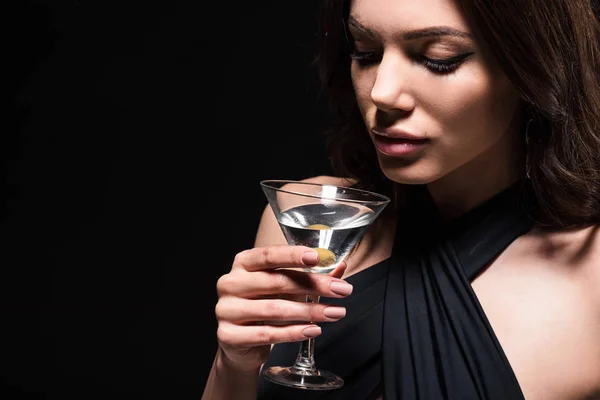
(527, 163)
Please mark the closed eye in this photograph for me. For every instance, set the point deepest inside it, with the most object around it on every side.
(366, 57)
(439, 66)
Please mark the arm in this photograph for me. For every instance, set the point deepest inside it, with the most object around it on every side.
(225, 381)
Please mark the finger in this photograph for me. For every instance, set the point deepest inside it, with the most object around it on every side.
(265, 283)
(261, 335)
(272, 257)
(243, 311)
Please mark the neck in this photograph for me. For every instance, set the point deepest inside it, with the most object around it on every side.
(477, 181)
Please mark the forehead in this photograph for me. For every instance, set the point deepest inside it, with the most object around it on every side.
(395, 15)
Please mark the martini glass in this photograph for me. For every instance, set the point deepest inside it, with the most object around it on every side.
(331, 220)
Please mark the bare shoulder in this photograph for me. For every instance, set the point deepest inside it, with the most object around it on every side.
(577, 246)
(575, 252)
(269, 233)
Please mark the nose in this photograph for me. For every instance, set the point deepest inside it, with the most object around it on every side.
(390, 91)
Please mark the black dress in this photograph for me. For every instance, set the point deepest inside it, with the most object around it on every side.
(414, 327)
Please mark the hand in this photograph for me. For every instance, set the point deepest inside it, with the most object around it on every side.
(257, 297)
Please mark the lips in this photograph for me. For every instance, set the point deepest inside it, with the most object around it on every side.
(390, 140)
(397, 142)
(399, 134)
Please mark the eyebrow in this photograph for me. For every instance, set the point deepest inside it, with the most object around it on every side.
(433, 31)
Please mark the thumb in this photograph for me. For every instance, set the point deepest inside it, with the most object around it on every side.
(339, 271)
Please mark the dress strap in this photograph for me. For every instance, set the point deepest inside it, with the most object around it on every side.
(437, 341)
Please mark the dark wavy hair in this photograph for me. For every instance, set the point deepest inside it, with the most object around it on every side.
(550, 51)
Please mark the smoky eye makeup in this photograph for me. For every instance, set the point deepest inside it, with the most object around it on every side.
(418, 45)
(441, 66)
(444, 65)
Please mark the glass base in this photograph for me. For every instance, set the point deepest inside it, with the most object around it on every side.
(303, 379)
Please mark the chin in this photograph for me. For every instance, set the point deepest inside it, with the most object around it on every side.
(406, 177)
(408, 173)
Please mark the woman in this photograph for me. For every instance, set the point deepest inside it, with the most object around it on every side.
(480, 119)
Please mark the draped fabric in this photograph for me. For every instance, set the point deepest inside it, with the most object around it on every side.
(414, 326)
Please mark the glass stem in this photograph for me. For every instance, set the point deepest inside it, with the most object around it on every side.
(305, 362)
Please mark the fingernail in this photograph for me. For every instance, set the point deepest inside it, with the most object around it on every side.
(310, 257)
(341, 288)
(335, 312)
(312, 331)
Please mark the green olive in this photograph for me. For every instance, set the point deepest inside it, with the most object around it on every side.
(326, 257)
(318, 227)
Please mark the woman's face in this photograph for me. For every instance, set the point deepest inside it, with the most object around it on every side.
(431, 97)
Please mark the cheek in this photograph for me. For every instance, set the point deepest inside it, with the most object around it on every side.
(475, 104)
(470, 108)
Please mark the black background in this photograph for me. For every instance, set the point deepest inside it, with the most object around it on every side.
(141, 131)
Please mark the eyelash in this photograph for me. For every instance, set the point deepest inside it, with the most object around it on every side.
(440, 66)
